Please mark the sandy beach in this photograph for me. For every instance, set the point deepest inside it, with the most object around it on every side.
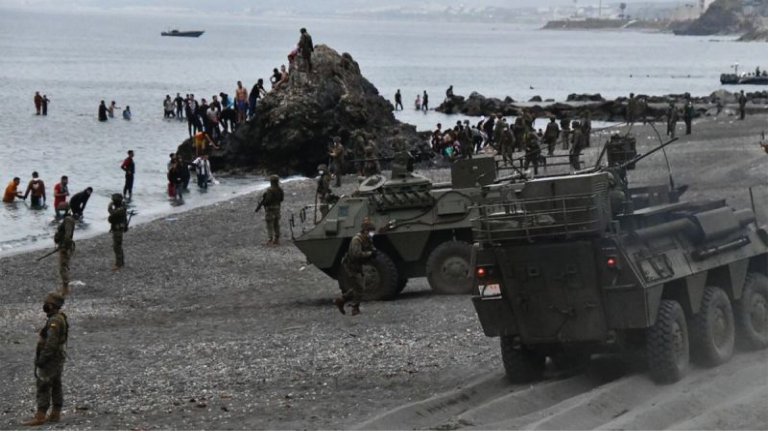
(205, 328)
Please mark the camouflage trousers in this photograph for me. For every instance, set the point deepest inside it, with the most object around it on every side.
(355, 283)
(49, 390)
(117, 246)
(65, 255)
(272, 219)
(507, 151)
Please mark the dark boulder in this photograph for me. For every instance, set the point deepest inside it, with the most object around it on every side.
(585, 98)
(294, 124)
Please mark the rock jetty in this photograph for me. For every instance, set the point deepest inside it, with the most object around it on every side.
(294, 124)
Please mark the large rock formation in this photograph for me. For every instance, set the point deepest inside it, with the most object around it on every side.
(730, 17)
(294, 124)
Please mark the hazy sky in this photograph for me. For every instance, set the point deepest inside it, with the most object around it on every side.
(311, 6)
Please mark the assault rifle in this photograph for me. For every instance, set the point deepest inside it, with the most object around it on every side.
(261, 203)
(47, 254)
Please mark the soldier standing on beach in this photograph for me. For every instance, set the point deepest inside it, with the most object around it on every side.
(577, 144)
(49, 362)
(272, 200)
(672, 118)
(118, 221)
(65, 245)
(323, 189)
(550, 135)
(361, 251)
(688, 115)
(742, 105)
(337, 156)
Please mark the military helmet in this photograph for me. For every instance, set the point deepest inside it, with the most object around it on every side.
(54, 298)
(117, 197)
(274, 179)
(367, 225)
(64, 206)
(322, 168)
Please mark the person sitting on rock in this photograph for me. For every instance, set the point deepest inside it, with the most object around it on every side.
(283, 78)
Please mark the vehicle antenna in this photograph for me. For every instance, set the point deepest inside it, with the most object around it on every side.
(666, 159)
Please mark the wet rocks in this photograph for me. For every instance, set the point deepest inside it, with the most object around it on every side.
(294, 124)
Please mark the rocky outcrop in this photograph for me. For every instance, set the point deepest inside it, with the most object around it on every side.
(731, 17)
(294, 124)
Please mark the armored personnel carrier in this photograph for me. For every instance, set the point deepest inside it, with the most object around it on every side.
(585, 264)
(423, 229)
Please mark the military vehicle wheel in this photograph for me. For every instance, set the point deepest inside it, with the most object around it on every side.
(381, 279)
(712, 330)
(751, 312)
(521, 364)
(667, 343)
(448, 270)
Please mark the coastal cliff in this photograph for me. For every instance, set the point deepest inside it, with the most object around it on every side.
(726, 17)
(294, 124)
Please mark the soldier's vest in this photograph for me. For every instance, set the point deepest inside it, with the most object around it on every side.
(355, 265)
(274, 198)
(60, 236)
(44, 335)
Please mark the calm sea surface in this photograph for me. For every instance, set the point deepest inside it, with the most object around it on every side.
(79, 59)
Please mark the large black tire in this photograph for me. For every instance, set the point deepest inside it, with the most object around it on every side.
(713, 333)
(751, 313)
(448, 270)
(667, 344)
(521, 364)
(381, 279)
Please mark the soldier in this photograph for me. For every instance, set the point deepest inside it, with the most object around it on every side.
(586, 127)
(671, 119)
(65, 244)
(688, 115)
(271, 200)
(507, 145)
(323, 189)
(518, 129)
(118, 221)
(565, 131)
(532, 152)
(577, 144)
(371, 165)
(337, 155)
(466, 141)
(49, 362)
(361, 251)
(498, 131)
(359, 153)
(742, 105)
(631, 112)
(550, 135)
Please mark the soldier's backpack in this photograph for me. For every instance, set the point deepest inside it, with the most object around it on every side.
(59, 236)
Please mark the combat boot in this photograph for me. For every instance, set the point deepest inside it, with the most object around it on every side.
(65, 289)
(339, 303)
(38, 420)
(54, 416)
(355, 310)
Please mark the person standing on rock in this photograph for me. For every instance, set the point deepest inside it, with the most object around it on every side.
(337, 157)
(129, 167)
(550, 135)
(361, 251)
(50, 356)
(742, 105)
(241, 102)
(672, 118)
(449, 93)
(577, 145)
(65, 244)
(272, 200)
(688, 115)
(425, 101)
(398, 100)
(306, 48)
(118, 221)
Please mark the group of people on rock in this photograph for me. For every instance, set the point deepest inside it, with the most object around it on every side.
(420, 104)
(108, 111)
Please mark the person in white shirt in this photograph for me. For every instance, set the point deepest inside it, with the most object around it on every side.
(203, 168)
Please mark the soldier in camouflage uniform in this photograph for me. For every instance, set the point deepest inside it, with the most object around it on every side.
(337, 155)
(466, 141)
(49, 362)
(532, 152)
(507, 144)
(672, 118)
(323, 189)
(577, 145)
(118, 221)
(66, 245)
(371, 165)
(272, 200)
(361, 251)
(550, 135)
(359, 153)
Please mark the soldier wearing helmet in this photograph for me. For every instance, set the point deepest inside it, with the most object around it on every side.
(118, 221)
(324, 194)
(49, 362)
(271, 200)
(65, 244)
(361, 251)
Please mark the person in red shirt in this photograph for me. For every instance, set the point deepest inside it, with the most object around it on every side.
(12, 191)
(36, 187)
(38, 102)
(60, 193)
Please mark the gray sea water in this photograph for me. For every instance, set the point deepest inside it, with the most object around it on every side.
(78, 59)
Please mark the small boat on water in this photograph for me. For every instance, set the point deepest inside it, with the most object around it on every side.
(179, 33)
(731, 78)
